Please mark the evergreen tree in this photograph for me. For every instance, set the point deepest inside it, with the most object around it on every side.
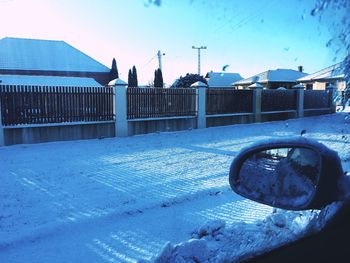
(161, 82)
(188, 80)
(134, 76)
(158, 79)
(113, 74)
(155, 82)
(130, 79)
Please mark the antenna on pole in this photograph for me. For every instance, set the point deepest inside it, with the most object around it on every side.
(199, 57)
(160, 54)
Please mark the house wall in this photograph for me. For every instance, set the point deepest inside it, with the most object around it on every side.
(276, 85)
(240, 87)
(100, 77)
(270, 85)
(319, 86)
(340, 85)
(246, 86)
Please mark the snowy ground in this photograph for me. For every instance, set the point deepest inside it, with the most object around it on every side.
(123, 199)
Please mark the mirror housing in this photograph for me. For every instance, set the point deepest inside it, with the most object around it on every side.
(325, 178)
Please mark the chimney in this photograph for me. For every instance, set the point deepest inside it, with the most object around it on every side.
(300, 69)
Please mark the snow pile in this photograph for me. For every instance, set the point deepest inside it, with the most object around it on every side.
(216, 242)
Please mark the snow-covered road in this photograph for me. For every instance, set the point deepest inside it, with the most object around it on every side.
(122, 199)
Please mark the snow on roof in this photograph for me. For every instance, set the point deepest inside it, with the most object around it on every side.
(48, 81)
(222, 79)
(255, 85)
(332, 72)
(277, 75)
(48, 55)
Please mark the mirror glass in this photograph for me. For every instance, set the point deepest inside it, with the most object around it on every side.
(282, 177)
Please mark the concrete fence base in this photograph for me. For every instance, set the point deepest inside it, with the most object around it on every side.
(165, 125)
(37, 134)
(230, 119)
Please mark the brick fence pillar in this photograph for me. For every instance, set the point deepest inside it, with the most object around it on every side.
(120, 107)
(2, 136)
(257, 97)
(331, 89)
(300, 100)
(201, 104)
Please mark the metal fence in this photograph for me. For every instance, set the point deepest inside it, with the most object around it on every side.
(38, 105)
(22, 105)
(226, 101)
(314, 99)
(278, 100)
(158, 103)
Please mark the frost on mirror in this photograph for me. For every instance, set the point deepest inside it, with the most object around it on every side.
(282, 177)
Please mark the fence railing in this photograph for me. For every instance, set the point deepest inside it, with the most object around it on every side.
(314, 99)
(278, 100)
(158, 103)
(22, 105)
(226, 101)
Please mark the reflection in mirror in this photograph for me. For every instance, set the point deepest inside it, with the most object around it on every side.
(282, 177)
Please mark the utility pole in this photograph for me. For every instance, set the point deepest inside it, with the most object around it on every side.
(160, 54)
(199, 57)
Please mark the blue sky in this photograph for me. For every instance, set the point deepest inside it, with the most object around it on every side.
(249, 35)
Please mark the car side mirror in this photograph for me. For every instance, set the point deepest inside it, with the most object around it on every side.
(293, 174)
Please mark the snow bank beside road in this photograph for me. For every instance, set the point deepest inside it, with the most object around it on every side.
(215, 242)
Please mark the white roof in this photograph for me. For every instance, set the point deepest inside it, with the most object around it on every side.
(277, 75)
(48, 81)
(332, 72)
(222, 79)
(48, 55)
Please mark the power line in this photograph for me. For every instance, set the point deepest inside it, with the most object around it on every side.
(150, 61)
(159, 55)
(250, 17)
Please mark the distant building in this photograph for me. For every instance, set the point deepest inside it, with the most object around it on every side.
(34, 60)
(272, 79)
(222, 79)
(332, 75)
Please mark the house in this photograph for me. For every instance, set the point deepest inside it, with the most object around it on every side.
(332, 75)
(34, 60)
(272, 79)
(48, 81)
(222, 79)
